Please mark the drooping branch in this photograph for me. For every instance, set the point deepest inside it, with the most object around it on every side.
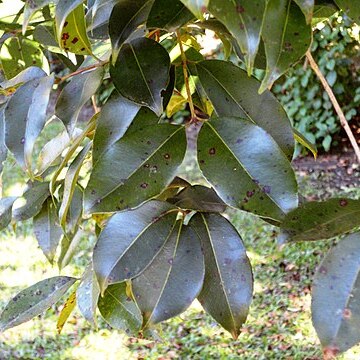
(335, 103)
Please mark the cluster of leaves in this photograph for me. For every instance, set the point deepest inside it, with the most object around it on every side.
(162, 242)
(335, 49)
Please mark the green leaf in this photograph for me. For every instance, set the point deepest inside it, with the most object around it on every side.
(197, 7)
(307, 7)
(44, 34)
(114, 119)
(233, 93)
(30, 73)
(33, 199)
(138, 234)
(6, 204)
(69, 245)
(52, 151)
(17, 54)
(169, 285)
(30, 8)
(97, 18)
(88, 294)
(25, 116)
(168, 15)
(199, 198)
(136, 168)
(323, 12)
(47, 229)
(119, 311)
(70, 183)
(66, 311)
(335, 304)
(228, 285)
(126, 17)
(301, 139)
(286, 36)
(74, 214)
(34, 300)
(73, 36)
(351, 8)
(321, 220)
(141, 73)
(244, 20)
(62, 11)
(257, 176)
(75, 95)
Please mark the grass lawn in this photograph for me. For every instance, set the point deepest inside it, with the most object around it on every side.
(278, 327)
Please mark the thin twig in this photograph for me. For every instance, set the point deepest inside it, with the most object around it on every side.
(336, 105)
(79, 71)
(186, 78)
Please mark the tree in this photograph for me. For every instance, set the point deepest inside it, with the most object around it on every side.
(162, 241)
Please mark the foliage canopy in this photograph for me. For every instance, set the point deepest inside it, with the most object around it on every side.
(162, 240)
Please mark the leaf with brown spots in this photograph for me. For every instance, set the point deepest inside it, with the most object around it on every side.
(66, 311)
(34, 300)
(135, 168)
(320, 220)
(286, 37)
(335, 304)
(197, 7)
(73, 37)
(244, 19)
(228, 285)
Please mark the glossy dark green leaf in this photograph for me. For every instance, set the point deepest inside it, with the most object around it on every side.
(244, 20)
(30, 8)
(97, 18)
(136, 168)
(197, 7)
(17, 54)
(233, 93)
(199, 198)
(228, 285)
(335, 304)
(286, 36)
(32, 201)
(47, 229)
(351, 8)
(170, 87)
(257, 176)
(130, 240)
(69, 247)
(126, 17)
(75, 95)
(119, 311)
(62, 10)
(307, 7)
(88, 294)
(141, 73)
(168, 15)
(114, 119)
(70, 182)
(169, 285)
(34, 300)
(25, 116)
(73, 37)
(6, 204)
(321, 220)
